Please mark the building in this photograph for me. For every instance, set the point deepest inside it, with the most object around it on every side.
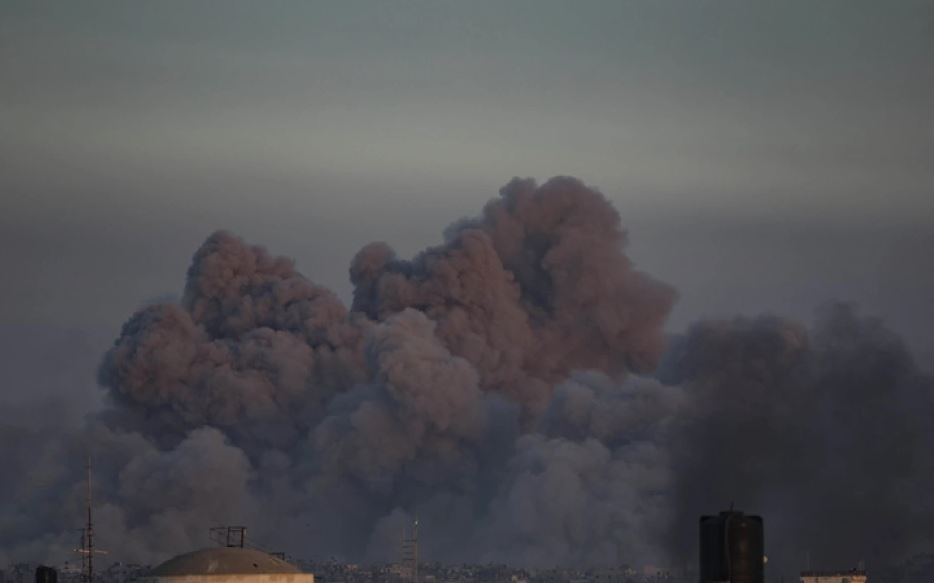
(226, 565)
(732, 547)
(853, 576)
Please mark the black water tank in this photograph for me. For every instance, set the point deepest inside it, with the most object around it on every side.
(46, 574)
(732, 548)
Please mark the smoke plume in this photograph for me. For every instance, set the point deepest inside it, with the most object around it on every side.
(499, 386)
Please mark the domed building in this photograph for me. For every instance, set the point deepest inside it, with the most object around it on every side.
(226, 565)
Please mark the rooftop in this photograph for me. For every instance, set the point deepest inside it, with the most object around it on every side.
(223, 561)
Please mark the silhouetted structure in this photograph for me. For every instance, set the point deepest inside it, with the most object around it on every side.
(87, 550)
(732, 548)
(229, 536)
(46, 574)
(409, 558)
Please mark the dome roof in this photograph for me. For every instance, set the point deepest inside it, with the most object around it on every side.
(223, 561)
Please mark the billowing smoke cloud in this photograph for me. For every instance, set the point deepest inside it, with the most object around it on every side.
(325, 425)
(151, 501)
(495, 386)
(536, 287)
(590, 487)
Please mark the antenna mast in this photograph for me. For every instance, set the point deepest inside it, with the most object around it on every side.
(410, 553)
(87, 538)
(90, 528)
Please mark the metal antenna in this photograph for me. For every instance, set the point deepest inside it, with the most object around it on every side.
(90, 529)
(415, 542)
(87, 538)
(229, 536)
(410, 552)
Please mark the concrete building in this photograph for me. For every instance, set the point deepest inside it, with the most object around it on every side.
(226, 565)
(854, 576)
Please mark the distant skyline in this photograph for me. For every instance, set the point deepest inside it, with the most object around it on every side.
(764, 157)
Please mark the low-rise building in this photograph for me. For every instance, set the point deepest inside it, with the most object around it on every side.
(853, 576)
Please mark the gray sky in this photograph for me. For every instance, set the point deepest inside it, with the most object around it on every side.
(765, 156)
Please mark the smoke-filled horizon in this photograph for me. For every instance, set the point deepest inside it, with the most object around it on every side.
(511, 385)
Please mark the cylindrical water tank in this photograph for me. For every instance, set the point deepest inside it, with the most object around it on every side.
(732, 548)
(711, 550)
